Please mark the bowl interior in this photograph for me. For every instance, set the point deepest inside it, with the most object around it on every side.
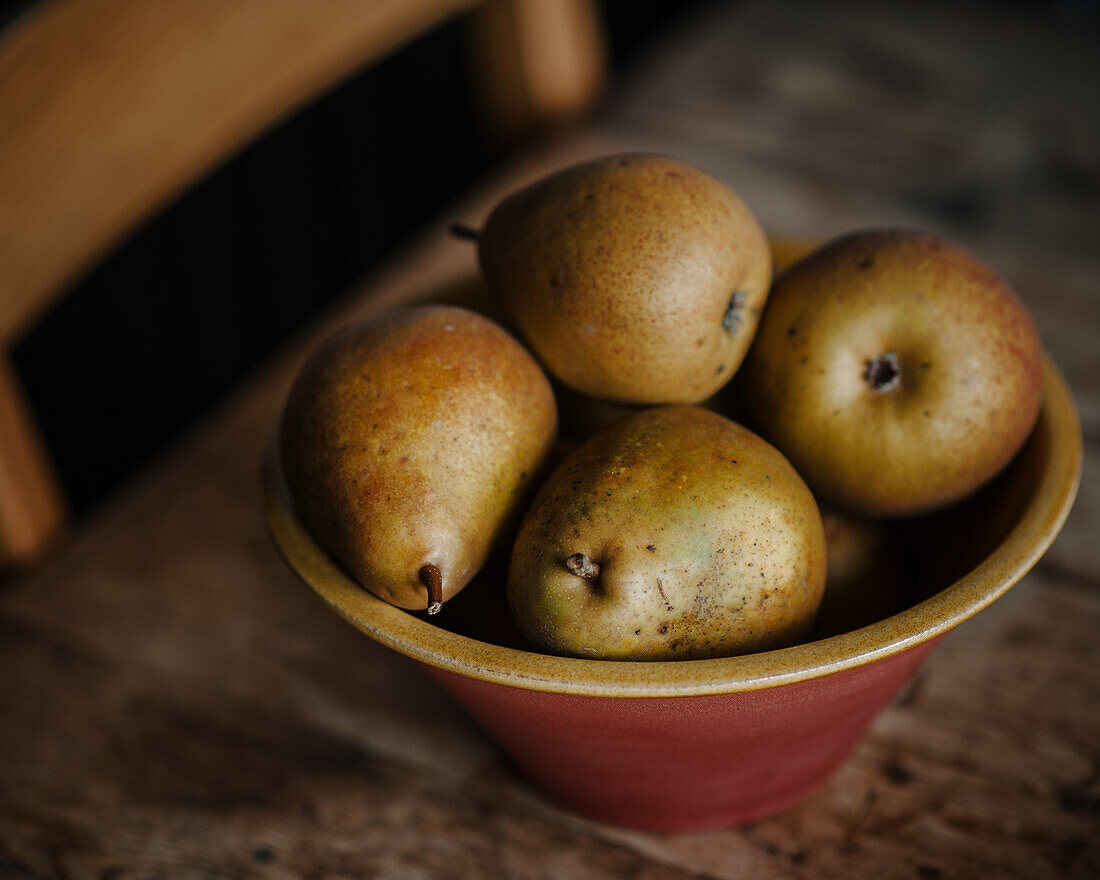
(956, 562)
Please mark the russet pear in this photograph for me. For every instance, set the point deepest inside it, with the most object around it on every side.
(637, 279)
(895, 370)
(673, 534)
(409, 442)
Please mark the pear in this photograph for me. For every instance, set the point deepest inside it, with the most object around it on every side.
(864, 581)
(581, 416)
(897, 371)
(408, 443)
(636, 279)
(674, 533)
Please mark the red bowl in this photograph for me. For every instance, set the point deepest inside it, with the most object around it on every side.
(692, 744)
(685, 762)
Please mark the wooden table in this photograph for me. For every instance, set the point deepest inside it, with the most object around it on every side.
(175, 704)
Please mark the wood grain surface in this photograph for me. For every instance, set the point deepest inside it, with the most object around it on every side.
(173, 703)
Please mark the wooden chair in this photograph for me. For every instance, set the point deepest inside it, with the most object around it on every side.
(111, 108)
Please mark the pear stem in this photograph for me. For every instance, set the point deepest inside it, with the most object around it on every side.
(583, 567)
(461, 230)
(432, 580)
(731, 320)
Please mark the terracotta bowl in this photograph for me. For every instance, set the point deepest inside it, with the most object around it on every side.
(701, 743)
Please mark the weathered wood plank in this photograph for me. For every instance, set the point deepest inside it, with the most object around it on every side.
(185, 782)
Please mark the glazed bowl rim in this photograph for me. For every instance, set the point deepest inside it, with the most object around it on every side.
(1036, 527)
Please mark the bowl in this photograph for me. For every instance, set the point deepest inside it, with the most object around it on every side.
(701, 743)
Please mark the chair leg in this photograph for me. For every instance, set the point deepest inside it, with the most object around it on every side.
(535, 63)
(32, 506)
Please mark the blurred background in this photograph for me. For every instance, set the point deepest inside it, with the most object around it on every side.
(164, 327)
(202, 293)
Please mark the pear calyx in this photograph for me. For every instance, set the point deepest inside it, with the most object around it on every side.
(884, 372)
(583, 567)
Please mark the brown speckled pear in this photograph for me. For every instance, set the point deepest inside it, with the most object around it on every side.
(673, 534)
(635, 278)
(896, 371)
(408, 443)
(864, 581)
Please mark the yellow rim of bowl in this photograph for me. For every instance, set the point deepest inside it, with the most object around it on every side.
(1058, 430)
